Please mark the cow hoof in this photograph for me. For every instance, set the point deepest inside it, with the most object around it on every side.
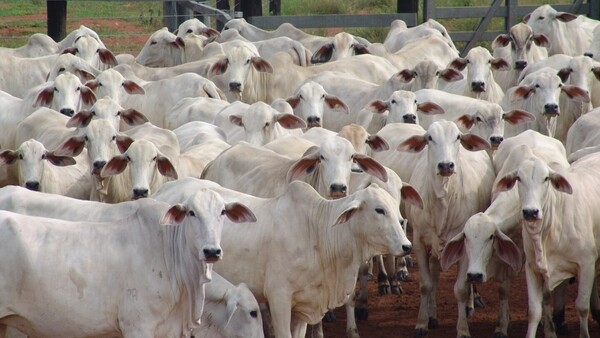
(402, 275)
(382, 277)
(352, 333)
(420, 333)
(397, 289)
(470, 311)
(463, 336)
(384, 289)
(479, 303)
(596, 315)
(561, 329)
(370, 276)
(433, 323)
(499, 335)
(361, 314)
(329, 317)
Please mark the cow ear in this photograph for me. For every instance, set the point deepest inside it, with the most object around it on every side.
(70, 50)
(407, 75)
(473, 142)
(371, 167)
(8, 157)
(378, 106)
(413, 144)
(219, 67)
(290, 121)
(453, 251)
(523, 92)
(236, 119)
(207, 31)
(44, 97)
(123, 142)
(506, 183)
(84, 75)
(107, 57)
(527, 17)
(323, 54)
(541, 40)
(411, 196)
(377, 143)
(466, 121)
(303, 166)
(72, 146)
(451, 75)
(239, 213)
(179, 42)
(232, 306)
(575, 93)
(59, 161)
(501, 40)
(596, 71)
(458, 63)
(347, 214)
(293, 101)
(87, 95)
(133, 117)
(261, 64)
(81, 119)
(507, 250)
(133, 88)
(92, 84)
(560, 183)
(565, 16)
(335, 102)
(359, 49)
(165, 167)
(430, 108)
(175, 215)
(115, 166)
(564, 74)
(518, 116)
(500, 64)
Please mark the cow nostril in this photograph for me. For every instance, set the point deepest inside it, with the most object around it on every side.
(496, 140)
(235, 86)
(407, 249)
(551, 108)
(212, 252)
(67, 111)
(588, 54)
(313, 119)
(474, 277)
(520, 65)
(531, 214)
(409, 118)
(337, 188)
(139, 193)
(477, 86)
(32, 185)
(99, 164)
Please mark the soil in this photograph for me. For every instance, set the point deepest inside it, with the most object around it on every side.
(396, 315)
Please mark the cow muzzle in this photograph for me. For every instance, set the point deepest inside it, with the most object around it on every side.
(478, 86)
(337, 191)
(313, 121)
(211, 255)
(531, 215)
(235, 87)
(520, 65)
(551, 110)
(409, 118)
(495, 141)
(32, 185)
(475, 278)
(446, 168)
(140, 193)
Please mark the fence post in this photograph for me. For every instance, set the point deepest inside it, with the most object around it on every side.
(275, 7)
(407, 6)
(170, 15)
(428, 10)
(251, 8)
(511, 17)
(594, 11)
(56, 19)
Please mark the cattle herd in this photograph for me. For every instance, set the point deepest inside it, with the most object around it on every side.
(289, 163)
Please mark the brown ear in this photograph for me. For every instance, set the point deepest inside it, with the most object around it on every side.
(377, 143)
(290, 121)
(560, 183)
(506, 183)
(507, 250)
(133, 117)
(371, 167)
(323, 54)
(596, 71)
(523, 92)
(133, 88)
(575, 93)
(123, 142)
(293, 101)
(85, 75)
(527, 17)
(347, 214)
(500, 64)
(466, 121)
(59, 161)
(87, 95)
(430, 108)
(565, 17)
(92, 84)
(115, 166)
(179, 42)
(81, 119)
(564, 74)
(501, 40)
(219, 67)
(407, 75)
(239, 213)
(359, 49)
(207, 31)
(236, 119)
(44, 97)
(541, 40)
(8, 157)
(261, 64)
(459, 63)
(411, 196)
(303, 167)
(165, 167)
(451, 75)
(70, 50)
(378, 106)
(335, 102)
(175, 215)
(518, 116)
(453, 251)
(413, 144)
(107, 57)
(473, 142)
(72, 146)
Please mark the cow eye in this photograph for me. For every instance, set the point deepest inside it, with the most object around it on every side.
(222, 212)
(430, 138)
(478, 119)
(253, 314)
(437, 73)
(537, 85)
(546, 179)
(152, 42)
(78, 89)
(402, 222)
(489, 61)
(86, 138)
(540, 18)
(267, 124)
(322, 158)
(380, 211)
(61, 69)
(323, 96)
(491, 237)
(154, 158)
(43, 156)
(93, 112)
(191, 213)
(248, 61)
(393, 102)
(56, 89)
(20, 156)
(189, 31)
(518, 179)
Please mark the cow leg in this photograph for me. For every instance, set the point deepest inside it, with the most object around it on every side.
(558, 313)
(461, 292)
(298, 328)
(595, 302)
(280, 304)
(434, 267)
(382, 277)
(401, 268)
(3, 331)
(351, 328)
(361, 301)
(501, 330)
(534, 296)
(390, 267)
(315, 331)
(587, 276)
(267, 320)
(425, 286)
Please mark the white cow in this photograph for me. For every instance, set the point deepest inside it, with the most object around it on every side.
(113, 84)
(371, 225)
(539, 94)
(454, 185)
(593, 50)
(311, 100)
(491, 240)
(483, 118)
(72, 64)
(195, 26)
(568, 33)
(399, 34)
(165, 49)
(258, 123)
(264, 173)
(165, 297)
(520, 48)
(479, 82)
(584, 132)
(342, 45)
(92, 51)
(427, 74)
(41, 170)
(37, 45)
(197, 132)
(559, 208)
(191, 109)
(230, 311)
